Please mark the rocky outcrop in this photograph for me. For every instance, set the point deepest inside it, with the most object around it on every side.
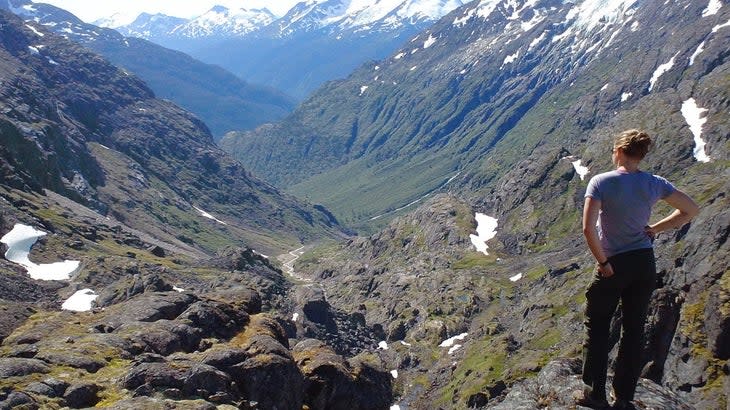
(346, 332)
(178, 379)
(557, 383)
(331, 382)
(175, 347)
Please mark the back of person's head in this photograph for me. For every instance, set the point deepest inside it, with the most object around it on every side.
(633, 143)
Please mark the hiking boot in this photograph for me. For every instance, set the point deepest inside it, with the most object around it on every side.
(586, 399)
(621, 404)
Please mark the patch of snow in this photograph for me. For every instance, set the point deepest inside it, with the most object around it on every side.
(581, 170)
(394, 373)
(383, 345)
(34, 30)
(450, 341)
(605, 86)
(395, 407)
(19, 241)
(363, 88)
(663, 68)
(537, 41)
(176, 289)
(34, 50)
(626, 96)
(697, 52)
(454, 348)
(51, 61)
(516, 277)
(260, 254)
(209, 216)
(399, 56)
(377, 67)
(294, 317)
(528, 25)
(413, 68)
(80, 301)
(712, 8)
(24, 10)
(591, 13)
(429, 41)
(486, 7)
(486, 230)
(405, 343)
(693, 115)
(511, 58)
(460, 21)
(634, 26)
(719, 26)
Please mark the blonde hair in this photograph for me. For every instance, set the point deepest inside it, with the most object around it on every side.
(633, 143)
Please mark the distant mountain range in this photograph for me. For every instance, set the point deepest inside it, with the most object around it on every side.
(222, 100)
(314, 42)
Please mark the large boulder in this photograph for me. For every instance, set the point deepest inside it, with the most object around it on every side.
(267, 374)
(15, 366)
(71, 359)
(331, 382)
(215, 318)
(179, 378)
(163, 336)
(81, 395)
(127, 288)
(149, 307)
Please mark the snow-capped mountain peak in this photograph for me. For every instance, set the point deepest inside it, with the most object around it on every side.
(360, 15)
(114, 21)
(222, 21)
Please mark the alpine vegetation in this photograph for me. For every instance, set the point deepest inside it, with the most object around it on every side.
(425, 215)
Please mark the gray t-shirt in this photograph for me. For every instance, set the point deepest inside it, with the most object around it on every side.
(626, 202)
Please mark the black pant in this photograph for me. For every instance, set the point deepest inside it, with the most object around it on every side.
(633, 282)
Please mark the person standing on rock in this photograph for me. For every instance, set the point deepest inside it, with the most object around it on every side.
(621, 202)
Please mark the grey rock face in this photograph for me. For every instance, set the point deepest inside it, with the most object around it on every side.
(332, 382)
(81, 395)
(555, 385)
(189, 378)
(13, 367)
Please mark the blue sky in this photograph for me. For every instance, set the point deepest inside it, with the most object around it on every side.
(91, 10)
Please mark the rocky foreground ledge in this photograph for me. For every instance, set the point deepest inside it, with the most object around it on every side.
(556, 383)
(166, 349)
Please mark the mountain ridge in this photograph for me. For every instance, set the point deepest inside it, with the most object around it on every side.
(325, 39)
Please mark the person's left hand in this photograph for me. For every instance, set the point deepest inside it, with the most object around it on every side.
(650, 232)
(605, 271)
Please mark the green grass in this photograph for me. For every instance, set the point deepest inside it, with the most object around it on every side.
(474, 260)
(360, 191)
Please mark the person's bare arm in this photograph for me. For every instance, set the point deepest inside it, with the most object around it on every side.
(591, 208)
(684, 210)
